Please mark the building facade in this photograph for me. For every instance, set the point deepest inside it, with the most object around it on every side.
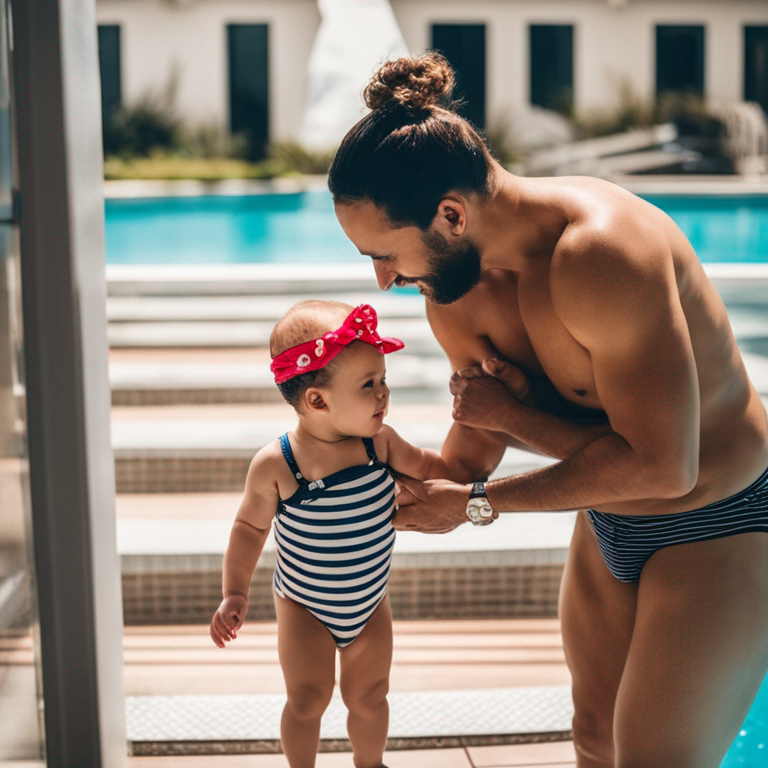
(574, 56)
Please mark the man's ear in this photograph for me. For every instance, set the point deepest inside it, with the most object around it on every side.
(451, 217)
(314, 400)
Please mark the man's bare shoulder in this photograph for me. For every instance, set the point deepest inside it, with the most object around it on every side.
(610, 229)
(613, 262)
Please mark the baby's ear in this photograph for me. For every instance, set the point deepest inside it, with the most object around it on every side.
(314, 400)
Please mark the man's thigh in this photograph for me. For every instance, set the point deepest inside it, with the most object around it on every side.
(597, 614)
(698, 653)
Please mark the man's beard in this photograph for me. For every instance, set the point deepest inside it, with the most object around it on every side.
(453, 269)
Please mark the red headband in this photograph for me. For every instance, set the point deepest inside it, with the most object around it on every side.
(360, 325)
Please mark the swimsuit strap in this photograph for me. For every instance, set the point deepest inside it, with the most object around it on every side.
(285, 447)
(370, 450)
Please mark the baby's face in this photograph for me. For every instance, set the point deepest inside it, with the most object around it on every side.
(357, 395)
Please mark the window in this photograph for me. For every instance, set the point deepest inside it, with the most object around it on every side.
(756, 65)
(552, 66)
(679, 59)
(249, 85)
(109, 69)
(464, 47)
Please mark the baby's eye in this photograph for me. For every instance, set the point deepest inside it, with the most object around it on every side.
(368, 384)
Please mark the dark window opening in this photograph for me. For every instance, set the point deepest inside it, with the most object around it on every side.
(249, 85)
(109, 70)
(464, 47)
(552, 66)
(679, 59)
(756, 65)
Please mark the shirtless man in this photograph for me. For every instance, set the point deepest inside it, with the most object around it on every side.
(622, 364)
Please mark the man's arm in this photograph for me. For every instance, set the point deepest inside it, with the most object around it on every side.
(483, 402)
(620, 303)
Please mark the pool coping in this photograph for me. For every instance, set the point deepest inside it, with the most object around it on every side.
(679, 184)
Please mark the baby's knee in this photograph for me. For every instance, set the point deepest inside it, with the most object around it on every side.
(362, 698)
(308, 702)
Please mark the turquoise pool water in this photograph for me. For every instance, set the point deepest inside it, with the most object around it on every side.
(750, 749)
(301, 227)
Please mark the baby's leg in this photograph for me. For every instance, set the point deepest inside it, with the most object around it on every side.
(308, 659)
(364, 684)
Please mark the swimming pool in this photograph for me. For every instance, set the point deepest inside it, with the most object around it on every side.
(301, 228)
(750, 748)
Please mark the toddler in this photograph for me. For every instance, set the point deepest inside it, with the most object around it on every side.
(329, 489)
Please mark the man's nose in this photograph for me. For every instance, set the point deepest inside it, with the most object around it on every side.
(385, 275)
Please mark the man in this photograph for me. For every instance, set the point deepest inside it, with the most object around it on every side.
(580, 323)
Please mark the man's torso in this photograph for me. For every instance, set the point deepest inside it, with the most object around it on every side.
(512, 315)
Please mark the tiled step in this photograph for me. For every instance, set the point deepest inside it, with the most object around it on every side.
(521, 653)
(187, 458)
(240, 724)
(241, 279)
(171, 568)
(738, 284)
(182, 308)
(170, 383)
(250, 334)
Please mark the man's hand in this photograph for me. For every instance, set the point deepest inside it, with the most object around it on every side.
(228, 619)
(482, 395)
(431, 506)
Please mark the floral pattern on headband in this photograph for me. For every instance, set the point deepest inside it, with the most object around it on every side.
(359, 325)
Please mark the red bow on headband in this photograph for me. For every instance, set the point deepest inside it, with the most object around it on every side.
(359, 325)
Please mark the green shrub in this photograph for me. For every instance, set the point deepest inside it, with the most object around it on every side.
(176, 167)
(632, 112)
(293, 157)
(499, 138)
(135, 130)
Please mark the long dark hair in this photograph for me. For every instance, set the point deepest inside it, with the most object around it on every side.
(412, 148)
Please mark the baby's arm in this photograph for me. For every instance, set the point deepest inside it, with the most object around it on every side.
(246, 541)
(406, 459)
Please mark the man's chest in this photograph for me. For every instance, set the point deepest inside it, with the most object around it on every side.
(521, 325)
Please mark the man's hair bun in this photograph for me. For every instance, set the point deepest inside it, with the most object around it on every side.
(411, 83)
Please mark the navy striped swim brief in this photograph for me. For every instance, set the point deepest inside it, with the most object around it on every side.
(626, 542)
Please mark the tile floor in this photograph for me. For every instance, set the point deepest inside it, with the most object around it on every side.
(555, 755)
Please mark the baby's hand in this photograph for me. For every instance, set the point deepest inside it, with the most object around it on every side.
(228, 619)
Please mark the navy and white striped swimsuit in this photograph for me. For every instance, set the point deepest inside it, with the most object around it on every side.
(334, 540)
(627, 542)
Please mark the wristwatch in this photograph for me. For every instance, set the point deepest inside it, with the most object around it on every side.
(479, 509)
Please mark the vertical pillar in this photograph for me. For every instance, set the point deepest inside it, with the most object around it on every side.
(60, 214)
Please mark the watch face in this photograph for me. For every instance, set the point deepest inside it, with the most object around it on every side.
(479, 511)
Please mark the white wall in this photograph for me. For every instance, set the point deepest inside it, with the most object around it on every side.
(610, 42)
(158, 34)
